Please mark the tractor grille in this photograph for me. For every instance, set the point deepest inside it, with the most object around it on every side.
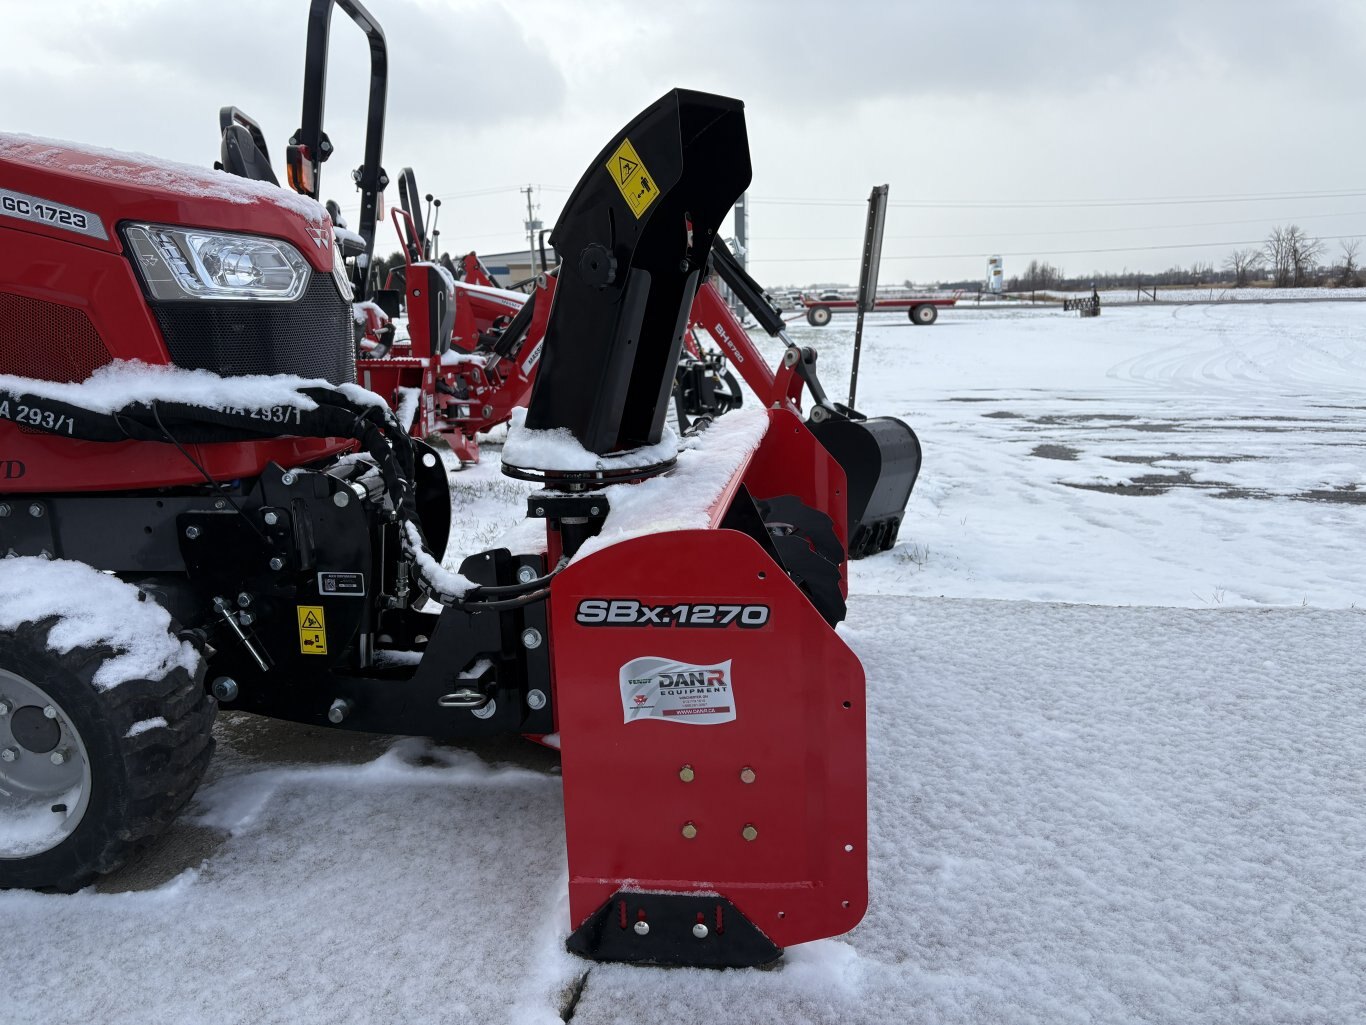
(310, 337)
(48, 341)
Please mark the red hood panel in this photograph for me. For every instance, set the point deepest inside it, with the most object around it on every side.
(132, 186)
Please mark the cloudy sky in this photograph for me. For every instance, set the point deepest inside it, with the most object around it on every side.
(1092, 134)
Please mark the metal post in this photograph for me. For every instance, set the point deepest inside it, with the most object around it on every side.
(532, 226)
(867, 286)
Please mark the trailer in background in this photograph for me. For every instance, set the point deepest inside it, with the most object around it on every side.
(922, 310)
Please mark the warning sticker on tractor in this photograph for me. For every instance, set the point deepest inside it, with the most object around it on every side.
(312, 630)
(632, 179)
(660, 688)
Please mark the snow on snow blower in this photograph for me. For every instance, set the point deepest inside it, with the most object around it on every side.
(232, 518)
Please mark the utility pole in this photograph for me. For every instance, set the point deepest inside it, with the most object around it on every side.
(532, 226)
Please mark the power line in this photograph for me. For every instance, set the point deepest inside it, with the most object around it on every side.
(1071, 231)
(1055, 252)
(1033, 204)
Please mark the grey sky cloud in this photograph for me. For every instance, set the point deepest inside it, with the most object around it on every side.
(1015, 103)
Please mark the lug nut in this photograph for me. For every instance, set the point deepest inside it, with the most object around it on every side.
(49, 712)
(58, 757)
(686, 774)
(4, 708)
(8, 755)
(689, 831)
(192, 532)
(642, 928)
(700, 931)
(749, 833)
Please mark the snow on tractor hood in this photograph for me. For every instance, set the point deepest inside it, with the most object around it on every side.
(115, 187)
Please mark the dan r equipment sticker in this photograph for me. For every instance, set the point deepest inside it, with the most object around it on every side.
(660, 688)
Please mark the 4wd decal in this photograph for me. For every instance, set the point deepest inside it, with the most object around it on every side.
(11, 469)
(660, 688)
(629, 612)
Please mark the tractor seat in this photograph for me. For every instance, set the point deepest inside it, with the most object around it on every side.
(242, 157)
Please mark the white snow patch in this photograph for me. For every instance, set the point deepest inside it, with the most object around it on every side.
(122, 382)
(558, 449)
(155, 723)
(95, 609)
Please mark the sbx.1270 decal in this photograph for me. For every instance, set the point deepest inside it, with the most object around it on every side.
(629, 612)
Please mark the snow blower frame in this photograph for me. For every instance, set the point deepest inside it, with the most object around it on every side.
(296, 544)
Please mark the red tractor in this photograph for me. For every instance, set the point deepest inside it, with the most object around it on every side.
(199, 507)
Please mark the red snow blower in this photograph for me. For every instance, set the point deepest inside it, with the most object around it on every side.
(672, 623)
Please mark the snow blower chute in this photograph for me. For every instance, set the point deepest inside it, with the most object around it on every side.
(671, 621)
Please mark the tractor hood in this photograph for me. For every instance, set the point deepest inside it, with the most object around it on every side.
(82, 193)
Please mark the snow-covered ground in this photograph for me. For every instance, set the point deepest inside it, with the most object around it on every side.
(1080, 810)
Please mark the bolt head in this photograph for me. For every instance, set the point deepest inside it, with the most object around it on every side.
(686, 774)
(642, 928)
(700, 931)
(540, 510)
(243, 600)
(526, 574)
(4, 510)
(593, 511)
(531, 638)
(35, 510)
(4, 708)
(689, 831)
(8, 755)
(192, 532)
(58, 757)
(746, 775)
(245, 618)
(536, 700)
(49, 712)
(271, 518)
(225, 688)
(341, 499)
(749, 833)
(288, 479)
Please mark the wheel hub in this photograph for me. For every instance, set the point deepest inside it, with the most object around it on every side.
(34, 731)
(44, 770)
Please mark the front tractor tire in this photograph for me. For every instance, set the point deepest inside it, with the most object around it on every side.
(818, 316)
(924, 315)
(90, 776)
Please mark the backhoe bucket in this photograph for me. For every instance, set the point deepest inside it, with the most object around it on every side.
(881, 459)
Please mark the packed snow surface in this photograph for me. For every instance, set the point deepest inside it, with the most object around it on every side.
(94, 609)
(1080, 810)
(558, 449)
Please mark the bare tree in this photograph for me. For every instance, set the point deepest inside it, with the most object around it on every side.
(1242, 262)
(1350, 278)
(1303, 252)
(1277, 250)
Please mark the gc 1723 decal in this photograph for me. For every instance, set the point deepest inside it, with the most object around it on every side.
(55, 215)
(629, 612)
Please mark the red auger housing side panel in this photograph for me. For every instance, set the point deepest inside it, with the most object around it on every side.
(71, 301)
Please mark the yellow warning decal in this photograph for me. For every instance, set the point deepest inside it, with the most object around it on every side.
(629, 173)
(312, 630)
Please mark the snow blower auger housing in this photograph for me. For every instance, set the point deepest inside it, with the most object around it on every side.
(674, 629)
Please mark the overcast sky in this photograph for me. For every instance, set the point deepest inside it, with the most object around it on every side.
(1029, 129)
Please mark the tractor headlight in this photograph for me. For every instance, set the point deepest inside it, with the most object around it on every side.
(185, 263)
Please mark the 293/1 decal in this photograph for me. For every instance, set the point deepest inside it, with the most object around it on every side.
(629, 612)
